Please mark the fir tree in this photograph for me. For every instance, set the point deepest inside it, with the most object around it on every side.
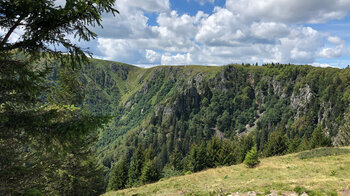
(196, 160)
(150, 172)
(276, 144)
(176, 160)
(136, 166)
(214, 148)
(251, 160)
(319, 139)
(119, 176)
(226, 154)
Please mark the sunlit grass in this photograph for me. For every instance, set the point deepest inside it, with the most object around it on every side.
(325, 173)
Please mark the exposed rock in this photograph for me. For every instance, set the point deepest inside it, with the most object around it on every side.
(300, 100)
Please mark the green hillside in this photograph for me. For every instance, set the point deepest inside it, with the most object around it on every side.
(324, 171)
(169, 120)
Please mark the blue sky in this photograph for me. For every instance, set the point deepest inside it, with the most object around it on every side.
(219, 32)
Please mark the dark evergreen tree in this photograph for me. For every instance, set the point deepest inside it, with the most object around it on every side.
(319, 139)
(149, 153)
(136, 165)
(227, 154)
(176, 160)
(276, 144)
(119, 176)
(245, 143)
(79, 174)
(150, 172)
(224, 122)
(196, 160)
(214, 150)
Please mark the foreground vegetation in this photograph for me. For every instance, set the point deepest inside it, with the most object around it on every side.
(323, 171)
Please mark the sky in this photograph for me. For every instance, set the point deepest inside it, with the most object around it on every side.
(219, 32)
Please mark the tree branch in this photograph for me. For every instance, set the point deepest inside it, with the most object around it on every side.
(8, 34)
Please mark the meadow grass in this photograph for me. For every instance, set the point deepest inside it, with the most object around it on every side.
(325, 172)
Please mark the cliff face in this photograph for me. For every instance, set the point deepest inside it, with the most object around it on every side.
(173, 107)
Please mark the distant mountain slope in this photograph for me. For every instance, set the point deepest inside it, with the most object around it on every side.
(324, 171)
(175, 111)
(176, 106)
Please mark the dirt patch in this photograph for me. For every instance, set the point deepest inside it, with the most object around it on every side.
(345, 192)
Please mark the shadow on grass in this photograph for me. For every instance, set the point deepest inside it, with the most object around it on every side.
(322, 152)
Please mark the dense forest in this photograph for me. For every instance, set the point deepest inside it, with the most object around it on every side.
(169, 120)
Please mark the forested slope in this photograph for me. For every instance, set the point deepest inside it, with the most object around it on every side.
(168, 115)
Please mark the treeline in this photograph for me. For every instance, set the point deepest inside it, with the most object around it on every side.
(144, 167)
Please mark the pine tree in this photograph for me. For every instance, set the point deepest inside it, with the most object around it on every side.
(213, 149)
(150, 172)
(196, 160)
(149, 153)
(136, 166)
(227, 153)
(119, 176)
(319, 139)
(176, 160)
(251, 160)
(245, 143)
(276, 144)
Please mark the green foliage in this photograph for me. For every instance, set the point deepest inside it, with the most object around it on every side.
(74, 18)
(276, 144)
(119, 176)
(44, 135)
(150, 172)
(214, 147)
(136, 165)
(319, 139)
(196, 159)
(176, 160)
(251, 160)
(78, 175)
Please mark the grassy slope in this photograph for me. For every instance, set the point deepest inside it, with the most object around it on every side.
(323, 171)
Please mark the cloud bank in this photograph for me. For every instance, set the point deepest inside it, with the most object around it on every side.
(242, 31)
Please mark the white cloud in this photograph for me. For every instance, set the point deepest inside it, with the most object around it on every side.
(269, 30)
(202, 2)
(152, 56)
(331, 52)
(119, 49)
(295, 11)
(220, 29)
(145, 5)
(177, 59)
(335, 40)
(336, 51)
(321, 65)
